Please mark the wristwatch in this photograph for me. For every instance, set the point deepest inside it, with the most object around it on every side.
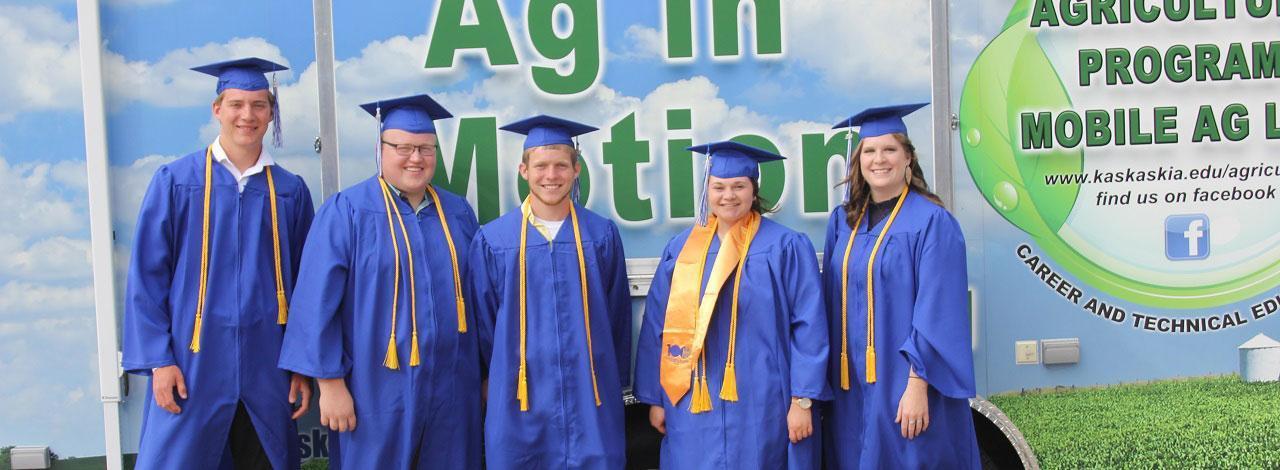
(804, 403)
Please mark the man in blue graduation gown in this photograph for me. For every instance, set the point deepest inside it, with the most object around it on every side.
(216, 249)
(764, 354)
(554, 317)
(902, 363)
(380, 318)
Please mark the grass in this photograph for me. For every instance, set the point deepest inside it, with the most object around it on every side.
(1213, 422)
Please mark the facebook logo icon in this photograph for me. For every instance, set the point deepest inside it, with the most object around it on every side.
(1186, 237)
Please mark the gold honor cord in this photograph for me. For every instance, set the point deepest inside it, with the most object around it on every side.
(283, 314)
(392, 360)
(282, 304)
(729, 385)
(204, 250)
(453, 258)
(522, 382)
(871, 299)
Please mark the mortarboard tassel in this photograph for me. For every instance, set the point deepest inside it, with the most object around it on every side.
(703, 211)
(848, 162)
(393, 358)
(377, 138)
(277, 134)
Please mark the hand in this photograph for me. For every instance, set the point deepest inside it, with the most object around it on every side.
(163, 381)
(658, 418)
(799, 423)
(337, 411)
(300, 394)
(913, 408)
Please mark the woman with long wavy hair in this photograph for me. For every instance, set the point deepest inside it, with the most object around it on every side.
(895, 287)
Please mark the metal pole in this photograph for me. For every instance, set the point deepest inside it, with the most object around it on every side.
(101, 235)
(940, 54)
(327, 142)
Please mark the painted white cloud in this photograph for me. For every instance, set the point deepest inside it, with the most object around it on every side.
(642, 42)
(23, 296)
(169, 82)
(137, 3)
(41, 71)
(870, 45)
(33, 205)
(50, 259)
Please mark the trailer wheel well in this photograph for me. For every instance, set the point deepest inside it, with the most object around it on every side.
(1000, 442)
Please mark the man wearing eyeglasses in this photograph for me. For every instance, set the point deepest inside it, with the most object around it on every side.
(380, 318)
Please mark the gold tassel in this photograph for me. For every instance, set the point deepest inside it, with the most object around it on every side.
(844, 371)
(871, 365)
(195, 336)
(706, 393)
(695, 401)
(462, 316)
(283, 317)
(393, 359)
(729, 389)
(414, 358)
(522, 391)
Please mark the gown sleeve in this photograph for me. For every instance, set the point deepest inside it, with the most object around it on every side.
(618, 300)
(809, 338)
(483, 286)
(648, 388)
(147, 320)
(938, 346)
(314, 342)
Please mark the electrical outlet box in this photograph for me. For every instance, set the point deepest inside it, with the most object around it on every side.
(1027, 352)
(1061, 351)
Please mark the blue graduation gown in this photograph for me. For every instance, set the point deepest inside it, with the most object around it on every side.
(240, 339)
(921, 320)
(563, 427)
(342, 320)
(781, 352)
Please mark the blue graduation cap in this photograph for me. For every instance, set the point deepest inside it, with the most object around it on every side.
(880, 120)
(874, 122)
(729, 159)
(408, 113)
(415, 114)
(548, 130)
(249, 74)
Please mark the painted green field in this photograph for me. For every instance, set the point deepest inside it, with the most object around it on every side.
(1216, 422)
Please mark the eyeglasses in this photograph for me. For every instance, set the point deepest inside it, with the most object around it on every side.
(405, 150)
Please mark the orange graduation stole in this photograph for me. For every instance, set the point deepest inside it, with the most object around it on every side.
(871, 295)
(688, 315)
